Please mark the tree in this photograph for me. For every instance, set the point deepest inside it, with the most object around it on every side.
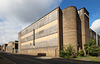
(91, 48)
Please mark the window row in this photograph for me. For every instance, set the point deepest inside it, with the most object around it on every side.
(52, 16)
(46, 32)
(29, 38)
(42, 33)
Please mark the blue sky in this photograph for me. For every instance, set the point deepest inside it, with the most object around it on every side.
(0, 20)
(93, 6)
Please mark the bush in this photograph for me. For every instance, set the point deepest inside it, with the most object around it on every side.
(91, 48)
(99, 53)
(67, 52)
(62, 53)
(81, 53)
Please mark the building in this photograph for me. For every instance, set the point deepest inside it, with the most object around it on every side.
(4, 47)
(1, 48)
(99, 40)
(12, 47)
(58, 29)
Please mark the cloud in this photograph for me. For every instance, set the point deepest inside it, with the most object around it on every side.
(15, 15)
(96, 26)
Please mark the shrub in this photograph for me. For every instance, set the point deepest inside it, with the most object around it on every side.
(81, 53)
(62, 53)
(99, 53)
(67, 52)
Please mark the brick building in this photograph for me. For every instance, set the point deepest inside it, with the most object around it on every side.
(58, 28)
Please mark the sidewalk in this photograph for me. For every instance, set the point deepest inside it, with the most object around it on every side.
(4, 60)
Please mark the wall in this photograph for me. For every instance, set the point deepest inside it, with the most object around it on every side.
(92, 34)
(70, 27)
(84, 17)
(4, 47)
(42, 36)
(95, 36)
(9, 47)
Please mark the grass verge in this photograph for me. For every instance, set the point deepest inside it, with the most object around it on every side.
(89, 58)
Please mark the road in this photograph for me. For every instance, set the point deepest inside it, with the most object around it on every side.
(27, 59)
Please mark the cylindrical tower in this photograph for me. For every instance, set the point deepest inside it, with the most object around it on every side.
(70, 27)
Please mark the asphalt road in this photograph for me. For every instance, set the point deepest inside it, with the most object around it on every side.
(27, 59)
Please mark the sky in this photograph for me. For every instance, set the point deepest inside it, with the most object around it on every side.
(16, 15)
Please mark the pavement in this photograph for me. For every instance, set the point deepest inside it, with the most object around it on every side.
(28, 59)
(4, 60)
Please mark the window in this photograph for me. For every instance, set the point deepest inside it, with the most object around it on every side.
(34, 37)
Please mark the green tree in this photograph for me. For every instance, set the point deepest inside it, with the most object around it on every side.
(91, 48)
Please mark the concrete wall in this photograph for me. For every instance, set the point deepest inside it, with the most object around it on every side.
(46, 36)
(95, 36)
(50, 51)
(92, 34)
(84, 17)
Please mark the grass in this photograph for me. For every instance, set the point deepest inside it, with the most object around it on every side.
(89, 58)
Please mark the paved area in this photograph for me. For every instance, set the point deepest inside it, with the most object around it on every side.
(27, 59)
(5, 60)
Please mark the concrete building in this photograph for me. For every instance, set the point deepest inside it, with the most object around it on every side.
(12, 47)
(95, 36)
(58, 29)
(99, 40)
(4, 47)
(43, 36)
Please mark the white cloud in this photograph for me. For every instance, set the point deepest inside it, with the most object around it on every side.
(96, 26)
(17, 14)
